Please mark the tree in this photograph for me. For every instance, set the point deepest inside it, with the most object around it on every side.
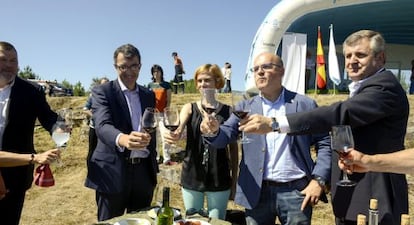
(95, 81)
(78, 89)
(66, 84)
(28, 73)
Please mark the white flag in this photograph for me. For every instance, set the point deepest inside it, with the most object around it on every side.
(333, 60)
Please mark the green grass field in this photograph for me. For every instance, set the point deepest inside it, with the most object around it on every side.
(70, 203)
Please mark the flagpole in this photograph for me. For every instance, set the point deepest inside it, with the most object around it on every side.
(330, 30)
(334, 74)
(316, 80)
(316, 75)
(316, 87)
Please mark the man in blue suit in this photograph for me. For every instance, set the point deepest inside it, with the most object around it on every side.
(123, 166)
(278, 177)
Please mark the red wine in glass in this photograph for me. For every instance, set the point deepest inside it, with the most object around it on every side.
(171, 127)
(149, 129)
(149, 120)
(171, 121)
(240, 113)
(341, 140)
(341, 153)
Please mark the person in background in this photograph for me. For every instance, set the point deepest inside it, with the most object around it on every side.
(397, 162)
(123, 167)
(377, 112)
(87, 110)
(162, 91)
(216, 175)
(22, 103)
(310, 68)
(278, 177)
(227, 77)
(179, 73)
(160, 87)
(10, 159)
(412, 78)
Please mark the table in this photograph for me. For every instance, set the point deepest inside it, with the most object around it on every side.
(144, 215)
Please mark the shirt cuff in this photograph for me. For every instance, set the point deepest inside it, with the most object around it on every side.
(283, 124)
(120, 149)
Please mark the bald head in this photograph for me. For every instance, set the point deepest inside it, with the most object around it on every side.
(270, 57)
(268, 73)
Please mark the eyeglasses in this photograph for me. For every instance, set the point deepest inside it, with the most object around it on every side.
(265, 67)
(124, 68)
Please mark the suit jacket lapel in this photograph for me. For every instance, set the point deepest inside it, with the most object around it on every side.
(257, 108)
(256, 105)
(290, 103)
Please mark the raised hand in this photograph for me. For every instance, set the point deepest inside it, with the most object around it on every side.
(256, 124)
(354, 161)
(209, 125)
(135, 140)
(47, 157)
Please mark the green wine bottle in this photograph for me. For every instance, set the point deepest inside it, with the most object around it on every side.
(165, 215)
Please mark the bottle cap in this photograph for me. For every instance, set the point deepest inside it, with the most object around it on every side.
(361, 219)
(405, 219)
(373, 203)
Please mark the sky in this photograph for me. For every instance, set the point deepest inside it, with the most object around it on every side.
(75, 40)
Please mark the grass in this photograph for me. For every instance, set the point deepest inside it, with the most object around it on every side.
(70, 203)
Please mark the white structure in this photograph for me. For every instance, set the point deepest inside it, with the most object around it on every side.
(278, 20)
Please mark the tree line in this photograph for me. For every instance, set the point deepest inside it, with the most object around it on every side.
(79, 90)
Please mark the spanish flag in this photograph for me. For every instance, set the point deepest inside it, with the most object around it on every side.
(320, 64)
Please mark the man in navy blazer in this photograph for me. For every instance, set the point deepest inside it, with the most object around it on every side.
(377, 111)
(123, 166)
(21, 104)
(278, 177)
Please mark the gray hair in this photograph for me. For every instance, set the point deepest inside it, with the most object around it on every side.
(377, 42)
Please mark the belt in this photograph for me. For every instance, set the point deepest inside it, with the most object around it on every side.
(299, 183)
(134, 161)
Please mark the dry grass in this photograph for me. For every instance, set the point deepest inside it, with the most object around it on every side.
(70, 203)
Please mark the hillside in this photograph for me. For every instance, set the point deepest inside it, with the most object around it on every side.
(70, 203)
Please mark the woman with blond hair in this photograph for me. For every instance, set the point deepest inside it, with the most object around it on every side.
(207, 171)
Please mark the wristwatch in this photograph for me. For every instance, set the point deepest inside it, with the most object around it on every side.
(320, 180)
(275, 125)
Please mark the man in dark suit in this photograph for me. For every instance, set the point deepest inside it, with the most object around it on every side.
(377, 111)
(123, 166)
(281, 179)
(21, 102)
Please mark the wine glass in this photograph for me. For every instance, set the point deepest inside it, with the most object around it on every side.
(241, 110)
(341, 140)
(61, 130)
(209, 103)
(171, 120)
(149, 120)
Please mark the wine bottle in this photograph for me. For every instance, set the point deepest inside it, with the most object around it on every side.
(373, 212)
(165, 215)
(405, 219)
(361, 219)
